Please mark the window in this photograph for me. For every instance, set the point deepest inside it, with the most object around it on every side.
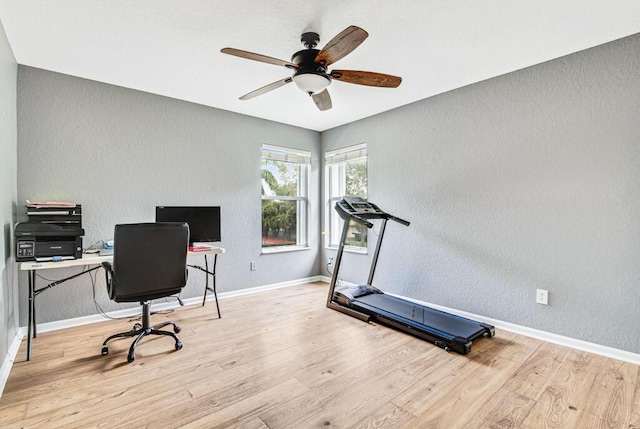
(346, 172)
(284, 198)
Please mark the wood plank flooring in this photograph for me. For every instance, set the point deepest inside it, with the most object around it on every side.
(281, 359)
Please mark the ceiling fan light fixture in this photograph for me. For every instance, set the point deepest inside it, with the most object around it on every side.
(310, 66)
(311, 83)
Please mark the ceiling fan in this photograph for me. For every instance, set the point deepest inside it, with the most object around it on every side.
(310, 65)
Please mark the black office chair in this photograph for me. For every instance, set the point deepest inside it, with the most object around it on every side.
(149, 262)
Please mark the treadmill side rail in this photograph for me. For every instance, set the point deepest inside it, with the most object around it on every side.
(457, 344)
(349, 311)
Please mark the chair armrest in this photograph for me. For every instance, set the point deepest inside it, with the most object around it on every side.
(109, 278)
(108, 269)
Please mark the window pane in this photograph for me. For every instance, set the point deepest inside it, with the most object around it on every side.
(347, 178)
(280, 178)
(356, 178)
(284, 174)
(357, 235)
(279, 223)
(335, 225)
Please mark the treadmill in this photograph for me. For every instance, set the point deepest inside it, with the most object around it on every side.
(370, 304)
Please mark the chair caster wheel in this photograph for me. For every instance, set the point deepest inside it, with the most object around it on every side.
(105, 350)
(137, 326)
(176, 329)
(178, 345)
(130, 358)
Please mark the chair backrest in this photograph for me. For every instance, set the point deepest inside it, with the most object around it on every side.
(149, 260)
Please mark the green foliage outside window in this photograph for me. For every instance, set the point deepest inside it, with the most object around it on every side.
(356, 186)
(356, 179)
(279, 217)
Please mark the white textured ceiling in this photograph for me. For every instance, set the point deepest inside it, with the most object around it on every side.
(172, 48)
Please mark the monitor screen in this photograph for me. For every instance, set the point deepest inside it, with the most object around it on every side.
(204, 222)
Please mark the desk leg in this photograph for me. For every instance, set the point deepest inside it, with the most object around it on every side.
(206, 279)
(215, 291)
(206, 282)
(31, 331)
(35, 317)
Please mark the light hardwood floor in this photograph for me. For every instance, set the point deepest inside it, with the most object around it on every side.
(281, 359)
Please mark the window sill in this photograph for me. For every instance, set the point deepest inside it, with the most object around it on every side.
(282, 249)
(357, 250)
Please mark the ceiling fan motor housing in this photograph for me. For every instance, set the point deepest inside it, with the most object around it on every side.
(305, 60)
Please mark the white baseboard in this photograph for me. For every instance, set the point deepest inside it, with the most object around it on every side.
(159, 306)
(561, 340)
(7, 364)
(257, 289)
(598, 349)
(550, 337)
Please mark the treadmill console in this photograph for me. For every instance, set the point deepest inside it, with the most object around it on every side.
(356, 206)
(360, 210)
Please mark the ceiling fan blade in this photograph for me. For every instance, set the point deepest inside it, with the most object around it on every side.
(258, 57)
(367, 78)
(322, 100)
(266, 88)
(341, 45)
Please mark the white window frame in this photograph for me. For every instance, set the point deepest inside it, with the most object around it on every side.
(334, 179)
(303, 158)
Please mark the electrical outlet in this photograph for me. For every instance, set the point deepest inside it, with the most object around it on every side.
(253, 266)
(542, 296)
(330, 260)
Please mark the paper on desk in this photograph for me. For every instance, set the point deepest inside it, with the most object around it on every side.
(53, 204)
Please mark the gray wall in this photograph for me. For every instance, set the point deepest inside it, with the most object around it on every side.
(8, 145)
(529, 180)
(121, 152)
(524, 181)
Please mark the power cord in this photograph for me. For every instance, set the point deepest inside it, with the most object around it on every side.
(94, 247)
(104, 314)
(94, 279)
(329, 267)
(169, 310)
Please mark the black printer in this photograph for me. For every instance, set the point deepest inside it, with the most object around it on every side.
(54, 232)
(47, 241)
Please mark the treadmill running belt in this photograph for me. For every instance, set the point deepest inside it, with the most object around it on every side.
(436, 319)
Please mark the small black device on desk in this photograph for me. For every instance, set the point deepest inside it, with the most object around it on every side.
(47, 241)
(53, 233)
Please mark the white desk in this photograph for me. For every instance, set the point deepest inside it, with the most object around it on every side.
(92, 262)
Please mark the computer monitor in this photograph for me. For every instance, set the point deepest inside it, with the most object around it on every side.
(204, 221)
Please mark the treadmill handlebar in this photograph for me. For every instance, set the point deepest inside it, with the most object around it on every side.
(368, 224)
(397, 219)
(360, 210)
